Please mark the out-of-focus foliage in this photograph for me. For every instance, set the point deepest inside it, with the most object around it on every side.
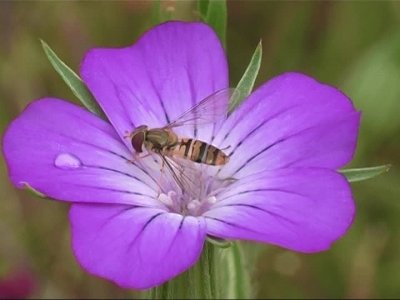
(353, 45)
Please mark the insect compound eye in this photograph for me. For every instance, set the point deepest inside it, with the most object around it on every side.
(137, 141)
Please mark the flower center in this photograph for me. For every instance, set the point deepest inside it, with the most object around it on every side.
(185, 205)
(195, 193)
(186, 188)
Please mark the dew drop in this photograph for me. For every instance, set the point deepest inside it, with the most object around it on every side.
(67, 161)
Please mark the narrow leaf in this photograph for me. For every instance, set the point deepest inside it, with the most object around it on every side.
(246, 83)
(73, 81)
(216, 17)
(360, 174)
(35, 192)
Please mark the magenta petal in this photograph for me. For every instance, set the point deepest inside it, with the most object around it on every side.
(303, 209)
(69, 154)
(135, 247)
(292, 120)
(172, 67)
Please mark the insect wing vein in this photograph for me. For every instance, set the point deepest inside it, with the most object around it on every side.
(209, 110)
(180, 174)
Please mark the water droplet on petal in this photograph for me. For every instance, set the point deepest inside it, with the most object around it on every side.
(67, 161)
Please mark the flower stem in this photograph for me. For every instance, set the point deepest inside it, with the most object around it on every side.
(238, 275)
(199, 282)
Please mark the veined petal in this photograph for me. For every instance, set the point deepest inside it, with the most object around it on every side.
(171, 68)
(292, 120)
(135, 247)
(70, 154)
(303, 209)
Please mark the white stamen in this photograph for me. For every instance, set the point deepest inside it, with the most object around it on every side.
(193, 205)
(212, 200)
(166, 199)
(172, 194)
(200, 192)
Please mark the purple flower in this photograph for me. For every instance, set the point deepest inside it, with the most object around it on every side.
(285, 143)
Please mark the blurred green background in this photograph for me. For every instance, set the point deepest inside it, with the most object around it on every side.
(352, 45)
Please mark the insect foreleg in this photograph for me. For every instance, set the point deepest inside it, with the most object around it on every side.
(226, 148)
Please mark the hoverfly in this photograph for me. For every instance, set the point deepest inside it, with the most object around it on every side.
(171, 147)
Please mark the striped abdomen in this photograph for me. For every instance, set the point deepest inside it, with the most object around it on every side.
(198, 151)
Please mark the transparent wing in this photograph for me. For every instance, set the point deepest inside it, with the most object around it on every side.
(194, 179)
(185, 176)
(209, 110)
(182, 171)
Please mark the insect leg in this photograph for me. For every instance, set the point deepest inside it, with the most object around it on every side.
(174, 175)
(226, 148)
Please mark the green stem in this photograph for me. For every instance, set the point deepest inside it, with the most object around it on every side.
(239, 282)
(199, 282)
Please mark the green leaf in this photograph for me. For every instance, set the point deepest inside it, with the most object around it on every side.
(246, 83)
(360, 174)
(73, 81)
(214, 13)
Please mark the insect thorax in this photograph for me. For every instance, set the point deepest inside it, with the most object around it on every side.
(159, 138)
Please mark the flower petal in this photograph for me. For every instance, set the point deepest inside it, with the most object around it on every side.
(171, 68)
(292, 120)
(303, 209)
(70, 154)
(135, 247)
